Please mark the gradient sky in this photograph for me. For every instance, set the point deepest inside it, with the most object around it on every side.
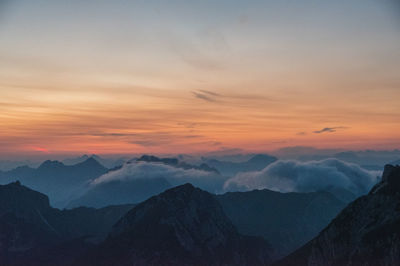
(118, 76)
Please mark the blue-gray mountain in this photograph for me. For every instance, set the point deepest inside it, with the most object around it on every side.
(60, 182)
(366, 232)
(286, 220)
(256, 163)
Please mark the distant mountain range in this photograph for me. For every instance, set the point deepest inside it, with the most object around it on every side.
(107, 162)
(256, 163)
(366, 232)
(59, 181)
(133, 190)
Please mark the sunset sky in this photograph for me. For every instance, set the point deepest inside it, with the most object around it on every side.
(187, 76)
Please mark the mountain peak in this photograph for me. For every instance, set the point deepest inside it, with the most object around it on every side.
(181, 226)
(390, 182)
(51, 164)
(91, 160)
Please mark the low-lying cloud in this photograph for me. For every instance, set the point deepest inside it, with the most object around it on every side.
(209, 181)
(296, 176)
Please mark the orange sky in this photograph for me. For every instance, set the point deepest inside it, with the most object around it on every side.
(157, 82)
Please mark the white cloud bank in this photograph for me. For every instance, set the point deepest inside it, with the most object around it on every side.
(209, 181)
(296, 176)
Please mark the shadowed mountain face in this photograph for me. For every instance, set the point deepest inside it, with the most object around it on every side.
(256, 163)
(366, 232)
(182, 226)
(121, 192)
(286, 220)
(30, 228)
(60, 182)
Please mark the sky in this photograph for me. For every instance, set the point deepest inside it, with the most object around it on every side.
(114, 77)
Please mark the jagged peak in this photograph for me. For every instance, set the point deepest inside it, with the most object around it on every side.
(90, 160)
(390, 182)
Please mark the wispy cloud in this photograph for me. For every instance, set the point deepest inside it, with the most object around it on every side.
(203, 96)
(210, 93)
(328, 130)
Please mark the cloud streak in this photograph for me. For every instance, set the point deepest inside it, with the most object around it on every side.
(328, 130)
(203, 96)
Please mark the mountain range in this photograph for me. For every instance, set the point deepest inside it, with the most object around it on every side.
(228, 168)
(31, 228)
(286, 220)
(59, 181)
(366, 232)
(185, 225)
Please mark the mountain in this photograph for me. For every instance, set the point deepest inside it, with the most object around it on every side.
(60, 182)
(181, 226)
(286, 220)
(138, 180)
(6, 165)
(107, 162)
(121, 192)
(31, 228)
(366, 232)
(256, 163)
(176, 163)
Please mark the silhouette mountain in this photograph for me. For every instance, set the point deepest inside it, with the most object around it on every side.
(29, 226)
(256, 163)
(366, 232)
(60, 182)
(181, 226)
(286, 220)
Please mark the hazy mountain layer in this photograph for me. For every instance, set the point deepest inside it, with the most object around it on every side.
(60, 182)
(286, 220)
(256, 163)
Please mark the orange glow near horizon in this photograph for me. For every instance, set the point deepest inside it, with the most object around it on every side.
(150, 78)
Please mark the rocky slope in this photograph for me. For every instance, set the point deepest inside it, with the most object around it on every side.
(286, 220)
(182, 226)
(29, 227)
(366, 232)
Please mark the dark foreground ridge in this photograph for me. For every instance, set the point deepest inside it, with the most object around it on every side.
(34, 233)
(366, 232)
(181, 226)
